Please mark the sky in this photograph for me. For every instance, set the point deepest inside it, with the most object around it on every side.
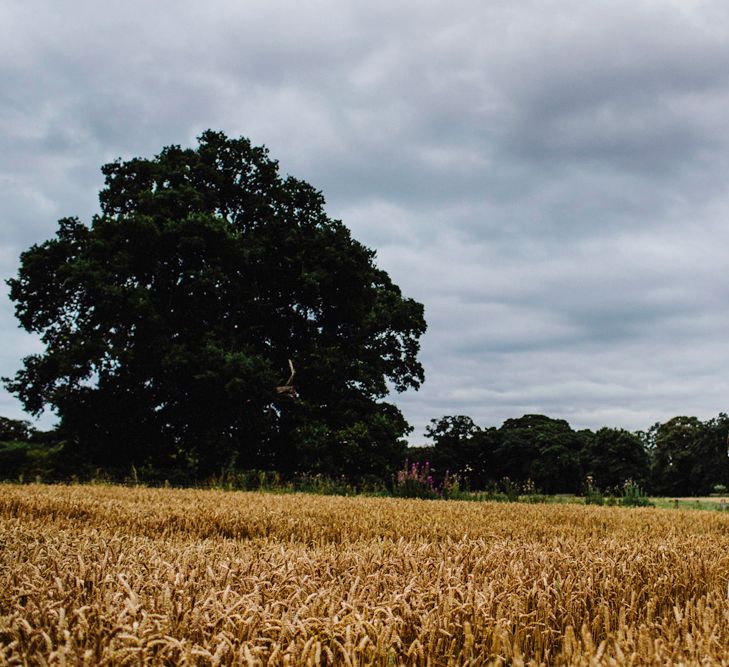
(548, 178)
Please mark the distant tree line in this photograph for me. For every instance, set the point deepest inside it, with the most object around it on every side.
(681, 457)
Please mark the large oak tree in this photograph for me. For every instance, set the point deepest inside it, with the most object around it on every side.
(168, 323)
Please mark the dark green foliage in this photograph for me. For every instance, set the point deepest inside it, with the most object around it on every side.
(456, 445)
(690, 456)
(682, 457)
(712, 461)
(676, 443)
(542, 449)
(461, 447)
(14, 430)
(169, 322)
(28, 454)
(345, 436)
(611, 456)
(25, 461)
(533, 449)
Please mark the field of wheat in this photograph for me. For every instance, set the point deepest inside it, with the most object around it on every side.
(103, 575)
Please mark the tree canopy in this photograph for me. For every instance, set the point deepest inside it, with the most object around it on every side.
(534, 449)
(169, 321)
(690, 456)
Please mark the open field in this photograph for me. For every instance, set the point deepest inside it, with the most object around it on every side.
(111, 575)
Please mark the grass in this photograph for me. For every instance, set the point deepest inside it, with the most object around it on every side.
(706, 503)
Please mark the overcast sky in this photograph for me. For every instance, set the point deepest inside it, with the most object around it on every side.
(548, 177)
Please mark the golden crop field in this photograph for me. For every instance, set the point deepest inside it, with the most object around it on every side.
(103, 575)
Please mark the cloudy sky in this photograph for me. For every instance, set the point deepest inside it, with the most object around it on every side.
(548, 177)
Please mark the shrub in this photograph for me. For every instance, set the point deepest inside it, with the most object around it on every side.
(414, 481)
(593, 495)
(530, 493)
(454, 488)
(371, 485)
(510, 489)
(633, 495)
(25, 461)
(247, 480)
(322, 485)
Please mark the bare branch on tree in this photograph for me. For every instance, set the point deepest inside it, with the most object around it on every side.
(288, 389)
